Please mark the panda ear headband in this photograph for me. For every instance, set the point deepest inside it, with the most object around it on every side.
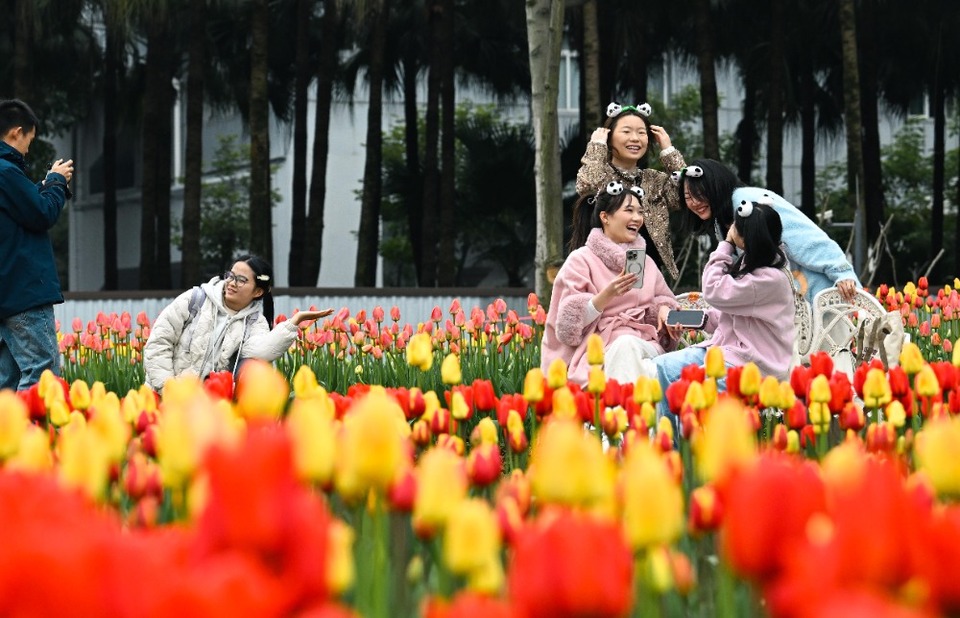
(615, 187)
(690, 171)
(745, 208)
(615, 109)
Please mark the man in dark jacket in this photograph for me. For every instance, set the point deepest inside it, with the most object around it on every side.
(28, 272)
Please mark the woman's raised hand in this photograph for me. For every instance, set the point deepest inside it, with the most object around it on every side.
(661, 136)
(307, 316)
(600, 135)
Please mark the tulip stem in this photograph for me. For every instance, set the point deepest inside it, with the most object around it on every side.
(726, 607)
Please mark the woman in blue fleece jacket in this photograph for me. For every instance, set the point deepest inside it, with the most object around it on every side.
(712, 192)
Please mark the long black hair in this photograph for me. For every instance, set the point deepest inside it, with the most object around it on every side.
(263, 279)
(586, 214)
(715, 187)
(760, 230)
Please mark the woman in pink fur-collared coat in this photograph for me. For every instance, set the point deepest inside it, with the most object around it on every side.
(593, 293)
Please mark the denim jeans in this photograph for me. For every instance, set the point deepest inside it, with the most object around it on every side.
(28, 346)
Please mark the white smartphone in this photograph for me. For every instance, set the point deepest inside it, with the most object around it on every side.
(636, 260)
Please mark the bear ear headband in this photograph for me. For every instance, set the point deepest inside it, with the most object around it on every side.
(615, 187)
(615, 109)
(691, 171)
(745, 209)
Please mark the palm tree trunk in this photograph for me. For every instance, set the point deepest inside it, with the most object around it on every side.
(326, 67)
(368, 236)
(431, 171)
(873, 195)
(110, 69)
(298, 218)
(709, 101)
(591, 68)
(851, 104)
(411, 130)
(808, 142)
(775, 97)
(446, 269)
(190, 272)
(545, 36)
(261, 226)
(22, 74)
(747, 129)
(939, 154)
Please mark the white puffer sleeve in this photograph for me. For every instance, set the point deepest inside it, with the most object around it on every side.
(161, 346)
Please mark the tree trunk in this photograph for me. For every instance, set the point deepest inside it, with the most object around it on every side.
(775, 97)
(298, 192)
(747, 129)
(326, 68)
(808, 139)
(411, 132)
(709, 101)
(261, 225)
(190, 266)
(873, 196)
(446, 269)
(22, 66)
(544, 39)
(853, 126)
(431, 171)
(110, 69)
(368, 237)
(939, 153)
(157, 138)
(593, 109)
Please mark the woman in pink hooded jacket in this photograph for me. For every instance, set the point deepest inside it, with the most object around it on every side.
(594, 293)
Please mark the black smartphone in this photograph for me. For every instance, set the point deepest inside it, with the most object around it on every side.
(636, 260)
(687, 318)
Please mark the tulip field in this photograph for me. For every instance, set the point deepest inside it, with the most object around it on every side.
(430, 468)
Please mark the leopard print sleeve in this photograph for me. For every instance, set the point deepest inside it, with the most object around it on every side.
(594, 170)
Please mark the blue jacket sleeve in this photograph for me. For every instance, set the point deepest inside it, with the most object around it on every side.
(807, 246)
(35, 207)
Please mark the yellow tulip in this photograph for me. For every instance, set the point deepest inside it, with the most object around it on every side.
(911, 358)
(793, 441)
(487, 431)
(59, 413)
(458, 406)
(14, 419)
(569, 467)
(310, 426)
(371, 451)
(820, 389)
(750, 379)
(471, 538)
(564, 405)
(646, 390)
(895, 413)
(450, 370)
(262, 391)
(715, 366)
(956, 353)
(107, 421)
(819, 416)
(84, 460)
(420, 351)
(770, 392)
(533, 385)
(557, 373)
(80, 395)
(844, 465)
(34, 453)
(876, 389)
(727, 441)
(695, 398)
(926, 383)
(441, 485)
(305, 383)
(597, 382)
(595, 349)
(488, 579)
(935, 450)
(652, 501)
(787, 396)
(341, 572)
(709, 392)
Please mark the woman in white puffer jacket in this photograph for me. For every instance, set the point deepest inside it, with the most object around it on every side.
(214, 326)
